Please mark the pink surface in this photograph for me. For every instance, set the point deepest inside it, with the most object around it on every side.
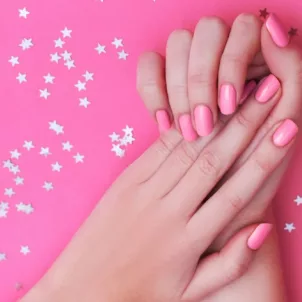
(114, 103)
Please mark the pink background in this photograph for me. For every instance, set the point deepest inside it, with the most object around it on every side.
(24, 115)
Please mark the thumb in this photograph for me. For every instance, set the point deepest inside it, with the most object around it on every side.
(228, 265)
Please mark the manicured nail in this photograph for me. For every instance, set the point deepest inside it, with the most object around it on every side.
(277, 30)
(227, 100)
(267, 89)
(285, 133)
(248, 88)
(186, 127)
(259, 235)
(163, 120)
(203, 120)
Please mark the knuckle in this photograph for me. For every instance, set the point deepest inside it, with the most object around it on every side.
(236, 202)
(164, 146)
(233, 59)
(262, 165)
(238, 269)
(178, 89)
(242, 120)
(149, 88)
(209, 164)
(201, 79)
(186, 154)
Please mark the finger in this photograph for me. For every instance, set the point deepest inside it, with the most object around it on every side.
(178, 51)
(237, 192)
(151, 85)
(209, 40)
(222, 268)
(277, 30)
(217, 157)
(235, 60)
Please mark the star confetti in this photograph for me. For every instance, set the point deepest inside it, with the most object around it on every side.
(298, 200)
(117, 43)
(54, 126)
(293, 32)
(28, 145)
(100, 48)
(66, 32)
(26, 44)
(2, 257)
(14, 61)
(48, 186)
(24, 208)
(23, 13)
(119, 143)
(263, 13)
(9, 192)
(24, 250)
(289, 227)
(67, 146)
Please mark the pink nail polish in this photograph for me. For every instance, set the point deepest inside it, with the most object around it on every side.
(163, 120)
(186, 127)
(227, 99)
(267, 89)
(277, 30)
(248, 89)
(203, 120)
(285, 133)
(259, 235)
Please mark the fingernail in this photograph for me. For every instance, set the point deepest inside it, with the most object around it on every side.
(203, 120)
(285, 133)
(186, 127)
(163, 120)
(259, 235)
(277, 30)
(227, 102)
(248, 88)
(267, 89)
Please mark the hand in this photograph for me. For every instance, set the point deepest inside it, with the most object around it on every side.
(187, 92)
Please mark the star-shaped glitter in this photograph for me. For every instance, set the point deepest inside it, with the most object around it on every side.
(66, 32)
(14, 169)
(24, 250)
(2, 257)
(66, 55)
(48, 186)
(26, 44)
(289, 227)
(118, 150)
(114, 137)
(84, 102)
(44, 93)
(100, 48)
(19, 181)
(263, 13)
(3, 213)
(45, 151)
(15, 154)
(122, 55)
(67, 146)
(128, 130)
(25, 208)
(298, 200)
(88, 76)
(7, 164)
(69, 64)
(49, 79)
(28, 145)
(4, 205)
(117, 43)
(54, 126)
(79, 158)
(14, 61)
(126, 140)
(80, 85)
(23, 13)
(21, 78)
(55, 57)
(9, 192)
(59, 43)
(293, 32)
(56, 167)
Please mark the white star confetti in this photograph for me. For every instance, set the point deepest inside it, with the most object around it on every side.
(44, 93)
(45, 151)
(298, 200)
(26, 44)
(19, 181)
(117, 43)
(126, 140)
(79, 158)
(4, 205)
(66, 32)
(2, 257)
(9, 192)
(56, 167)
(7, 164)
(23, 13)
(289, 227)
(80, 85)
(114, 137)
(69, 64)
(14, 169)
(48, 186)
(118, 150)
(66, 55)
(49, 79)
(128, 130)
(55, 57)
(59, 43)
(67, 146)
(100, 49)
(56, 127)
(21, 78)
(122, 55)
(3, 213)
(88, 76)
(24, 250)
(15, 154)
(14, 61)
(84, 102)
(28, 145)
(25, 208)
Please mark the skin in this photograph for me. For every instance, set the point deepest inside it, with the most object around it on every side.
(149, 237)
